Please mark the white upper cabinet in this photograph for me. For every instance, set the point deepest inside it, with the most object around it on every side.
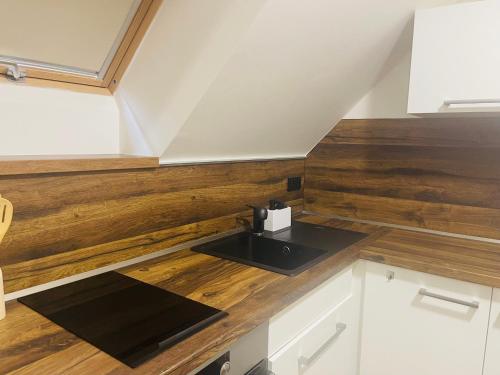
(456, 59)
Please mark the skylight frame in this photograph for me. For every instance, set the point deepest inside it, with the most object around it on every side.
(128, 39)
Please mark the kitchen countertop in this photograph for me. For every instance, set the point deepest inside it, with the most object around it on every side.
(29, 343)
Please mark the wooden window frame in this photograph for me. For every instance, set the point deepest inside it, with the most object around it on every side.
(141, 21)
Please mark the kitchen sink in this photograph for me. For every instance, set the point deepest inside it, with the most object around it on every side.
(288, 252)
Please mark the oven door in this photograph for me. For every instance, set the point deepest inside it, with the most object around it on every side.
(259, 369)
(221, 366)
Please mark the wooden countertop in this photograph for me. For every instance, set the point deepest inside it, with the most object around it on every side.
(30, 344)
(462, 259)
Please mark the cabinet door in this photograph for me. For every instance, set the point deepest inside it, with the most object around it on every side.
(327, 347)
(455, 57)
(492, 358)
(415, 323)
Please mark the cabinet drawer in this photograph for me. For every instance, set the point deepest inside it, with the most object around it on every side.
(295, 318)
(317, 348)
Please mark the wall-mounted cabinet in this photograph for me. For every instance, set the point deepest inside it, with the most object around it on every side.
(455, 59)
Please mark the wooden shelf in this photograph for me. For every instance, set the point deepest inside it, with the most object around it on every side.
(33, 164)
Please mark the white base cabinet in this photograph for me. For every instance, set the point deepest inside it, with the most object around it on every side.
(492, 358)
(419, 324)
(376, 319)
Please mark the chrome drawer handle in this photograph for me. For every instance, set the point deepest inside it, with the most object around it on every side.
(305, 361)
(425, 292)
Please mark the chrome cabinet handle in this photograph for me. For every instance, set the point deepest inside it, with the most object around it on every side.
(305, 361)
(449, 102)
(425, 292)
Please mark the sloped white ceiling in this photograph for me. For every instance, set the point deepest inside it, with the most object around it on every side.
(238, 80)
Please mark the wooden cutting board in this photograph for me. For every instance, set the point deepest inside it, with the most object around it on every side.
(6, 211)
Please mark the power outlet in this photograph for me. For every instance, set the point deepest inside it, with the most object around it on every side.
(294, 183)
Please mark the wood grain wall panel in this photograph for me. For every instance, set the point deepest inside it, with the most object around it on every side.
(479, 132)
(474, 221)
(454, 175)
(441, 174)
(70, 223)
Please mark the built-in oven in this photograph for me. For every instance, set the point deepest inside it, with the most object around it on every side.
(247, 356)
(222, 366)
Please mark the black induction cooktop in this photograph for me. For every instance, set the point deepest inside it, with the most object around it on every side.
(124, 317)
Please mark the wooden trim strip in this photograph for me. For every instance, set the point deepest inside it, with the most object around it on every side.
(44, 83)
(129, 47)
(19, 165)
(127, 40)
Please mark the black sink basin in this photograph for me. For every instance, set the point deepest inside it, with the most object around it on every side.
(288, 252)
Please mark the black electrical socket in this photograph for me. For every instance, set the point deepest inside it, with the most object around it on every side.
(294, 183)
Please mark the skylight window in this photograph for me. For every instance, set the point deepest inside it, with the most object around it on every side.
(77, 41)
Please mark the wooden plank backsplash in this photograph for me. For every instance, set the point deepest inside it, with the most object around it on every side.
(441, 174)
(70, 223)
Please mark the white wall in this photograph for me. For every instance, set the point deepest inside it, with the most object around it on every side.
(180, 56)
(45, 121)
(203, 88)
(388, 98)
